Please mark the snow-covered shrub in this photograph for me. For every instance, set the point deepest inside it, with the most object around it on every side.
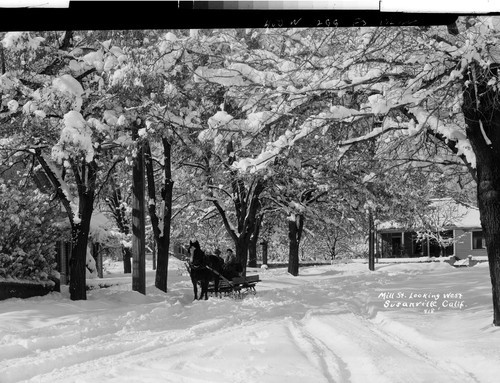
(91, 267)
(28, 234)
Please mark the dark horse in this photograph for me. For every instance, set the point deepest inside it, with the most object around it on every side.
(200, 270)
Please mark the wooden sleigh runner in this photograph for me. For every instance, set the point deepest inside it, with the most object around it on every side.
(238, 286)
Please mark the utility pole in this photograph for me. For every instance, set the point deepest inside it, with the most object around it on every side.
(371, 242)
(138, 217)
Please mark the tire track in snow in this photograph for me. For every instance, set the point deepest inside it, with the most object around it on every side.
(371, 356)
(97, 344)
(96, 352)
(82, 353)
(332, 367)
(425, 348)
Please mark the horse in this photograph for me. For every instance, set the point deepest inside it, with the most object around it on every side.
(200, 270)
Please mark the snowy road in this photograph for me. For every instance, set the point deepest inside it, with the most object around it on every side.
(327, 325)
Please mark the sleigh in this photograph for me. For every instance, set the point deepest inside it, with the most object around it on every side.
(236, 287)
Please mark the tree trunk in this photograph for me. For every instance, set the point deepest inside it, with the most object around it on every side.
(295, 227)
(482, 116)
(489, 207)
(138, 221)
(242, 245)
(264, 252)
(247, 207)
(162, 265)
(164, 239)
(86, 184)
(85, 175)
(488, 195)
(161, 225)
(153, 245)
(97, 254)
(254, 239)
(2, 58)
(127, 260)
(252, 254)
(78, 261)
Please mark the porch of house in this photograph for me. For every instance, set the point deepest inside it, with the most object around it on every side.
(397, 244)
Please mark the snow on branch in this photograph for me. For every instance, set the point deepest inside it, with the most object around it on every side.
(289, 138)
(376, 132)
(76, 137)
(486, 138)
(450, 131)
(67, 199)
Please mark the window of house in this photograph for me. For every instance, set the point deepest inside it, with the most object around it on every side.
(478, 241)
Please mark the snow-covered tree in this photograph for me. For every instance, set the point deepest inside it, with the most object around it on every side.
(436, 219)
(406, 82)
(30, 228)
(56, 106)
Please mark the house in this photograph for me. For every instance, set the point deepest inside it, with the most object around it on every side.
(445, 227)
(103, 238)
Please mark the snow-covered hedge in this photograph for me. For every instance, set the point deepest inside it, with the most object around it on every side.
(28, 233)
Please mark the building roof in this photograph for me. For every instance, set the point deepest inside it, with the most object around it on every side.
(440, 214)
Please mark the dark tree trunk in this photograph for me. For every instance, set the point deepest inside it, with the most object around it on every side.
(264, 252)
(78, 261)
(80, 229)
(247, 207)
(2, 57)
(254, 239)
(138, 220)
(162, 264)
(333, 248)
(252, 254)
(154, 249)
(97, 254)
(242, 245)
(127, 260)
(295, 227)
(85, 177)
(482, 115)
(161, 225)
(164, 239)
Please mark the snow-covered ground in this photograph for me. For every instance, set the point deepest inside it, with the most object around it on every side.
(335, 323)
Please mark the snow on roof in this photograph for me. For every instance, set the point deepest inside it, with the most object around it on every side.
(445, 213)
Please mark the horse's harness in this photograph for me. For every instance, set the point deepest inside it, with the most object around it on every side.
(192, 266)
